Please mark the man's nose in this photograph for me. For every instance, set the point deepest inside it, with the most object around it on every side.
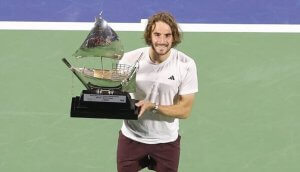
(162, 39)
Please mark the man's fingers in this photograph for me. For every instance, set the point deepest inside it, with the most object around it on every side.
(141, 112)
(140, 103)
(144, 105)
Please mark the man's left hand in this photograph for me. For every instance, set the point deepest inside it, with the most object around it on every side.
(144, 106)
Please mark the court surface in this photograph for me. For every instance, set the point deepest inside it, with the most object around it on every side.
(245, 118)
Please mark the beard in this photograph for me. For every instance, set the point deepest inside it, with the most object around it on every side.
(161, 49)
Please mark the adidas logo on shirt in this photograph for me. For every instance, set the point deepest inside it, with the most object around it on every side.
(171, 77)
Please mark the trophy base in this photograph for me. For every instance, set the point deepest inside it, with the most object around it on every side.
(93, 105)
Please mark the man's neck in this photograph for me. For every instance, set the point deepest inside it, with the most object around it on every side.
(156, 58)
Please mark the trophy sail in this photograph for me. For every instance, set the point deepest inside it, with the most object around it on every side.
(107, 88)
(102, 41)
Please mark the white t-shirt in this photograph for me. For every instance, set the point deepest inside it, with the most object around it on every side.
(161, 84)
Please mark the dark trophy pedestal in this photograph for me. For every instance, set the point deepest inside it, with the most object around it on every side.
(111, 106)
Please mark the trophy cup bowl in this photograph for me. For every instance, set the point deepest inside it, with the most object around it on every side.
(107, 89)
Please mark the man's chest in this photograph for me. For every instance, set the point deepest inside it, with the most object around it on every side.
(159, 78)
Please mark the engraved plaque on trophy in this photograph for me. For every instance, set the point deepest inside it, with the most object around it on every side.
(107, 87)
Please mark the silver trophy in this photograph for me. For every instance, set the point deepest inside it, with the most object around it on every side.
(107, 86)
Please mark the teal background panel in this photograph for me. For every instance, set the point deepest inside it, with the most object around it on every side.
(245, 117)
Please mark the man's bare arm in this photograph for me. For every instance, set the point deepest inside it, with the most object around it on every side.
(180, 110)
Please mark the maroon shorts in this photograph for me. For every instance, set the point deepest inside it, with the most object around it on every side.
(133, 156)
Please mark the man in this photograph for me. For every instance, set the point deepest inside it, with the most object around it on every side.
(166, 85)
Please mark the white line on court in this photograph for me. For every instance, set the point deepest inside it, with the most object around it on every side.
(185, 27)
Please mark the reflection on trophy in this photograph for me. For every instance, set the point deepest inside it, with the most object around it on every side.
(107, 88)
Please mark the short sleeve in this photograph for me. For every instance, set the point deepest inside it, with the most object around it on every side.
(129, 58)
(189, 82)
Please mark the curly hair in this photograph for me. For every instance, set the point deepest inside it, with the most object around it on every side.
(166, 18)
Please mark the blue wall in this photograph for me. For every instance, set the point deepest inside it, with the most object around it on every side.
(186, 11)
